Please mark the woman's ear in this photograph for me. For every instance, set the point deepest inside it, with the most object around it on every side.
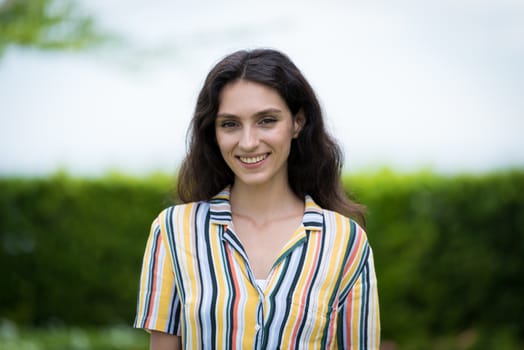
(298, 123)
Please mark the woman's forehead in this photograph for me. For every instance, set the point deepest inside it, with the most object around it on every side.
(243, 97)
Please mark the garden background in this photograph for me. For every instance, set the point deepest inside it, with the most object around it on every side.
(425, 98)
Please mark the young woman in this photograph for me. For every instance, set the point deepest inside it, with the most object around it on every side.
(265, 252)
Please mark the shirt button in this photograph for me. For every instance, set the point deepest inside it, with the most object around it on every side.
(257, 327)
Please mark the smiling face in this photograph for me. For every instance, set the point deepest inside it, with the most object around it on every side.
(254, 129)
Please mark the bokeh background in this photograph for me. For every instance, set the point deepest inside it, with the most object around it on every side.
(424, 96)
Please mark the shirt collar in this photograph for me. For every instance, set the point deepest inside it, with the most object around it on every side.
(220, 211)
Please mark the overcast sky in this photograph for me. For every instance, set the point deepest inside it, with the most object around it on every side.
(405, 84)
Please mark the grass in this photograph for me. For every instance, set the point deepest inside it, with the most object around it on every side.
(127, 338)
(72, 338)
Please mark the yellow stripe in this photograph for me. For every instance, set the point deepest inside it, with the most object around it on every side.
(221, 300)
(188, 264)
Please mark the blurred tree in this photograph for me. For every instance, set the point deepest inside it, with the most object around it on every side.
(47, 25)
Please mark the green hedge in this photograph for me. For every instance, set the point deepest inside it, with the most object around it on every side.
(71, 248)
(449, 251)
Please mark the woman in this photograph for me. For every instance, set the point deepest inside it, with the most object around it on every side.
(262, 255)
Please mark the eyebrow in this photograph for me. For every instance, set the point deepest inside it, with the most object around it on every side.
(257, 114)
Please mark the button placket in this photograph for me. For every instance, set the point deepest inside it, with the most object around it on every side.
(259, 326)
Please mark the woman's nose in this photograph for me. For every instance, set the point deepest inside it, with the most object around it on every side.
(248, 139)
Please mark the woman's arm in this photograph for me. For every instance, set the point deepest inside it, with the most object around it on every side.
(359, 318)
(164, 341)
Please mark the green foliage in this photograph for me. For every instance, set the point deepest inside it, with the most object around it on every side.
(448, 252)
(46, 24)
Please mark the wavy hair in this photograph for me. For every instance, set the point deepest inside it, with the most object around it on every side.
(315, 159)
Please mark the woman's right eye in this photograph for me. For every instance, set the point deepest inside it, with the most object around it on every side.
(228, 124)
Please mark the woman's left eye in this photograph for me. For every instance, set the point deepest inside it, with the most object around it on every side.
(265, 121)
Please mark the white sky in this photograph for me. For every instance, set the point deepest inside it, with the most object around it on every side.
(406, 84)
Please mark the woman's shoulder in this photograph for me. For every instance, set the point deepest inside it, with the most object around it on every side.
(342, 224)
(333, 221)
(181, 210)
(335, 215)
(347, 233)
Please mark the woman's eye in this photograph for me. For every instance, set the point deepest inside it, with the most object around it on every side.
(228, 124)
(265, 121)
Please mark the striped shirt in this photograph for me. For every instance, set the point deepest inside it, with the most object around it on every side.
(196, 282)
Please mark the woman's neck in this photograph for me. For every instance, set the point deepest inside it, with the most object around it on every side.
(265, 202)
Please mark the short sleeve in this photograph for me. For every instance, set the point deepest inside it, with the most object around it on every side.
(359, 318)
(158, 306)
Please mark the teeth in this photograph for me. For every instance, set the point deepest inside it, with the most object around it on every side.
(251, 160)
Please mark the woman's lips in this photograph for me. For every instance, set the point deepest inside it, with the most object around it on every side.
(253, 159)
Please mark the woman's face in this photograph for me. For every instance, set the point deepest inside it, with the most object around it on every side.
(254, 129)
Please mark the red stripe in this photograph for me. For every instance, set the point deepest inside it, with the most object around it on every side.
(355, 251)
(348, 316)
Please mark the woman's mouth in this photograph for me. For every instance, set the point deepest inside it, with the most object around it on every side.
(253, 160)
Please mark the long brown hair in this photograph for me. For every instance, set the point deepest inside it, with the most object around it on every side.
(315, 159)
